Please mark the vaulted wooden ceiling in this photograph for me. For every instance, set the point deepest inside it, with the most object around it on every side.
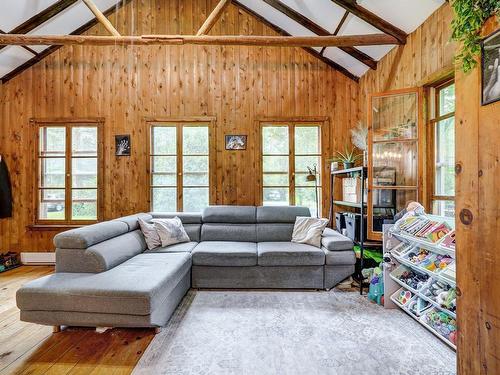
(287, 17)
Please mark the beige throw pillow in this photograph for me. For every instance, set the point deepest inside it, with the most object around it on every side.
(308, 230)
(150, 234)
(171, 231)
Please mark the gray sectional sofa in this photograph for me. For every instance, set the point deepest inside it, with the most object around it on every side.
(106, 277)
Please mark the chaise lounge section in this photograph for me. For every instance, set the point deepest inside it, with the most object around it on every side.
(106, 277)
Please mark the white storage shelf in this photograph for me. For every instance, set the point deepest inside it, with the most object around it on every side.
(405, 265)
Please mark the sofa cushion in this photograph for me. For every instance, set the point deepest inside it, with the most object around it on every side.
(136, 287)
(289, 254)
(101, 256)
(229, 214)
(186, 217)
(225, 253)
(228, 232)
(280, 214)
(133, 220)
(89, 235)
(273, 232)
(334, 241)
(339, 257)
(185, 247)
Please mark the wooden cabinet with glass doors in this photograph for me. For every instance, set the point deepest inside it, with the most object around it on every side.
(394, 175)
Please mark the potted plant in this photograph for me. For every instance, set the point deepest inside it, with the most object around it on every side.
(348, 158)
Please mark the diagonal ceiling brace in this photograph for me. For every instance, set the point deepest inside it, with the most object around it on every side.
(101, 17)
(213, 17)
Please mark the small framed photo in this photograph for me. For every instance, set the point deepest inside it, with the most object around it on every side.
(236, 142)
(490, 68)
(122, 145)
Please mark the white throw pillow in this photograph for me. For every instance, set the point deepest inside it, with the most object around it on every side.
(308, 230)
(150, 234)
(171, 231)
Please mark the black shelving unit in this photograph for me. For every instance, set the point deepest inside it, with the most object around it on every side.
(362, 171)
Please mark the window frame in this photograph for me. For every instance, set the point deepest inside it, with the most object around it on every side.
(322, 124)
(68, 124)
(179, 123)
(434, 118)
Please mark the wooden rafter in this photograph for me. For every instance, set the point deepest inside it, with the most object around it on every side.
(101, 17)
(213, 17)
(52, 49)
(318, 30)
(311, 51)
(372, 19)
(39, 18)
(218, 40)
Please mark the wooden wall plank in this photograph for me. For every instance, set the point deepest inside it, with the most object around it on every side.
(237, 85)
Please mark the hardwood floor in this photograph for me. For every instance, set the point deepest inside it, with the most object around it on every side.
(27, 348)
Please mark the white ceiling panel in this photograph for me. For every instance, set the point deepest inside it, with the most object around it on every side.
(376, 52)
(64, 23)
(15, 12)
(356, 26)
(276, 17)
(11, 57)
(325, 13)
(347, 61)
(404, 14)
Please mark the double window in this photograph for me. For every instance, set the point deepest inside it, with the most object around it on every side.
(289, 152)
(69, 166)
(180, 166)
(442, 150)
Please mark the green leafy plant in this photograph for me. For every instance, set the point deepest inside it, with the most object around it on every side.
(470, 16)
(348, 156)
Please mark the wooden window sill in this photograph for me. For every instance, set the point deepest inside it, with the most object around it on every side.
(53, 227)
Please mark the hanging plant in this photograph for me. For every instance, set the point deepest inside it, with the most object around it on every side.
(470, 16)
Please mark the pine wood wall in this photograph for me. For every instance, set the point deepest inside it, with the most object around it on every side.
(236, 84)
(427, 54)
(478, 226)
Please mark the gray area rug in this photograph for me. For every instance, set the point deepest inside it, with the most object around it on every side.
(292, 332)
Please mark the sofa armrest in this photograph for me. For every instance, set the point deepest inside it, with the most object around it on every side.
(334, 241)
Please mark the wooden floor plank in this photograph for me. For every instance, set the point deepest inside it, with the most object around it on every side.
(27, 348)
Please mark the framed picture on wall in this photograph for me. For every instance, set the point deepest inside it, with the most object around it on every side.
(236, 142)
(490, 68)
(122, 145)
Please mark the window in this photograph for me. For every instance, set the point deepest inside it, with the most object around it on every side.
(180, 164)
(442, 144)
(68, 172)
(288, 149)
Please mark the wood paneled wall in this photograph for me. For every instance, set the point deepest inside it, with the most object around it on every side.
(237, 85)
(427, 54)
(478, 224)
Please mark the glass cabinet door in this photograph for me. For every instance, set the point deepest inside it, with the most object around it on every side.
(393, 168)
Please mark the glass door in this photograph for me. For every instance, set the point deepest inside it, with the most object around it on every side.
(394, 119)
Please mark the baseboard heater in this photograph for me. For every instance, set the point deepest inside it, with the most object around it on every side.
(33, 259)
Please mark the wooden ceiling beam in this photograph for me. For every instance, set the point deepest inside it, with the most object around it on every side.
(311, 51)
(217, 40)
(374, 20)
(318, 30)
(101, 17)
(213, 17)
